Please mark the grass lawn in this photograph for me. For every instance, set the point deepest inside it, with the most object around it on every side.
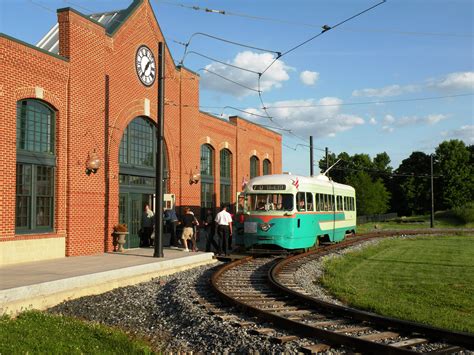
(425, 279)
(35, 332)
(442, 220)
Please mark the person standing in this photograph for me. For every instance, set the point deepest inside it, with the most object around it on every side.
(171, 222)
(224, 230)
(210, 229)
(148, 221)
(188, 221)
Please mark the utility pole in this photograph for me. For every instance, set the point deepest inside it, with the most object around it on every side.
(311, 163)
(327, 158)
(158, 253)
(432, 195)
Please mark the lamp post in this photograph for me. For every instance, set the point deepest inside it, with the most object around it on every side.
(158, 252)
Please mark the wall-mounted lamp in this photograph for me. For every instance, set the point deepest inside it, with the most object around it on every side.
(194, 178)
(93, 163)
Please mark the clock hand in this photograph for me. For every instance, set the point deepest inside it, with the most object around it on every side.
(147, 65)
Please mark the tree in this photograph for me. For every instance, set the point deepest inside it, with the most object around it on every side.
(371, 196)
(456, 186)
(411, 194)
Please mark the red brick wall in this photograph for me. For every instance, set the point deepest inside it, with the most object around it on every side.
(76, 89)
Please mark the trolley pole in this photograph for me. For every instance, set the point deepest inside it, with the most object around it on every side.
(432, 195)
(158, 252)
(327, 158)
(311, 162)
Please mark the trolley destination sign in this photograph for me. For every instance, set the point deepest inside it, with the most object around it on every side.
(268, 187)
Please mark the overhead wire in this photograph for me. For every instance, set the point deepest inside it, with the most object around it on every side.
(311, 25)
(225, 78)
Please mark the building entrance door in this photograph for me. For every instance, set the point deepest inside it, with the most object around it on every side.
(131, 207)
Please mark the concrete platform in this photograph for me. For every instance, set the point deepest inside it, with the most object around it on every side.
(43, 284)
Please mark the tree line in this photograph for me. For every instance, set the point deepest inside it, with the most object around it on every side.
(406, 190)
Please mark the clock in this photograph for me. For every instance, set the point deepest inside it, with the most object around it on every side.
(145, 64)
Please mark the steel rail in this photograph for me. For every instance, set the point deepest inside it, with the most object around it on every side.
(298, 327)
(459, 338)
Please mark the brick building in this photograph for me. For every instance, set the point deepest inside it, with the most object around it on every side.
(88, 91)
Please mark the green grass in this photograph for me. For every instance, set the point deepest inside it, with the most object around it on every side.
(35, 332)
(442, 220)
(425, 279)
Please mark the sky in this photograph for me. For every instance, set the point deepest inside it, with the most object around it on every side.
(398, 78)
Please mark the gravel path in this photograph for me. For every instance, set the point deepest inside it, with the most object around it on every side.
(163, 311)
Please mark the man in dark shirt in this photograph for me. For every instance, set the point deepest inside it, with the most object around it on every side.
(188, 221)
(172, 221)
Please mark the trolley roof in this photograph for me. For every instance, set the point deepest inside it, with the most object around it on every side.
(295, 183)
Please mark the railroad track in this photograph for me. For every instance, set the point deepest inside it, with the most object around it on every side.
(265, 287)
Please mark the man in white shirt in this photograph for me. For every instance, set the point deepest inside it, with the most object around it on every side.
(224, 230)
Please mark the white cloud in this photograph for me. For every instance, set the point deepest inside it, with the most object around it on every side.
(449, 83)
(404, 121)
(309, 77)
(392, 90)
(464, 133)
(257, 62)
(454, 81)
(372, 121)
(324, 120)
(387, 129)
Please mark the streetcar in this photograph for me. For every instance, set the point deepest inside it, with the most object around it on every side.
(292, 212)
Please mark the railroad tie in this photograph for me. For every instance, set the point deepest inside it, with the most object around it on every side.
(314, 349)
(409, 342)
(351, 329)
(284, 339)
(379, 336)
(262, 331)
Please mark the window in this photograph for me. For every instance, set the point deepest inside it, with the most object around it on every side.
(349, 203)
(137, 147)
(267, 167)
(34, 209)
(137, 155)
(207, 176)
(225, 178)
(309, 201)
(300, 201)
(340, 207)
(269, 202)
(254, 167)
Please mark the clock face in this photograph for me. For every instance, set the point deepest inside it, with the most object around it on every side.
(145, 64)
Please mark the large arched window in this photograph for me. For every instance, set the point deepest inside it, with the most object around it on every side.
(137, 154)
(35, 163)
(226, 179)
(254, 167)
(207, 176)
(267, 167)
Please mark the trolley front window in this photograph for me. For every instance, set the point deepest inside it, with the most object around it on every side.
(270, 202)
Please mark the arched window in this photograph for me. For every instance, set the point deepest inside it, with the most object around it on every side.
(267, 167)
(254, 167)
(207, 176)
(137, 154)
(226, 179)
(35, 163)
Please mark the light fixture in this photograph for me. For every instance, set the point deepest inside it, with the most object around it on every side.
(93, 163)
(194, 178)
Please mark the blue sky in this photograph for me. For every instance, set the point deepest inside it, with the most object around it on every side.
(337, 87)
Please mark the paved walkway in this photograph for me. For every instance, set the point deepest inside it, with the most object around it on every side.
(43, 284)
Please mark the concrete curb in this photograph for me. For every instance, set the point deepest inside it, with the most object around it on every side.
(48, 294)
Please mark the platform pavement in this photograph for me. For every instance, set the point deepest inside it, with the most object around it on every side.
(43, 284)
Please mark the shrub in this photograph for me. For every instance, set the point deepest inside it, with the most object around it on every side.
(118, 228)
(465, 213)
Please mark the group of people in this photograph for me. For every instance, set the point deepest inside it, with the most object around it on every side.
(192, 229)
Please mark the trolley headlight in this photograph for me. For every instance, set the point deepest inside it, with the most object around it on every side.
(265, 226)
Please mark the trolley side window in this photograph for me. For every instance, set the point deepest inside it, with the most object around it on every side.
(309, 202)
(269, 202)
(300, 201)
(340, 206)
